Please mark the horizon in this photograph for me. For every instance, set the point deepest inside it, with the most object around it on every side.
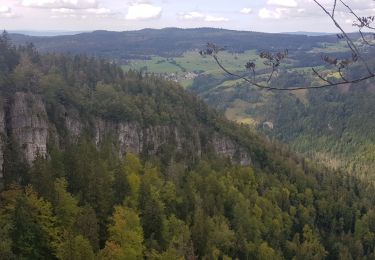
(269, 16)
(52, 33)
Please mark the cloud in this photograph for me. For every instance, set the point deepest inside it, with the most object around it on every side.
(210, 18)
(283, 3)
(143, 11)
(70, 16)
(63, 10)
(58, 4)
(82, 13)
(277, 13)
(246, 10)
(202, 17)
(6, 12)
(100, 11)
(278, 9)
(191, 16)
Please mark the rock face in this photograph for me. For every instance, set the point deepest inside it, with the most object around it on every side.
(227, 148)
(28, 125)
(131, 137)
(24, 119)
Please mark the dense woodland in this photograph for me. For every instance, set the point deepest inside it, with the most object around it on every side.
(84, 202)
(334, 125)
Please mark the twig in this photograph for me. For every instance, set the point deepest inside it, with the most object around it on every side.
(356, 54)
(356, 16)
(321, 77)
(331, 84)
(342, 76)
(334, 8)
(365, 40)
(351, 45)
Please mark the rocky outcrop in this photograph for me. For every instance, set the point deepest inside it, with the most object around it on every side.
(131, 137)
(227, 148)
(28, 124)
(24, 119)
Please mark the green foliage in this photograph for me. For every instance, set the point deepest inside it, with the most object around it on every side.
(125, 236)
(75, 248)
(87, 203)
(33, 234)
(15, 169)
(215, 210)
(66, 206)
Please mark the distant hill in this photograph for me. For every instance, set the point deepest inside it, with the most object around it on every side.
(45, 33)
(309, 33)
(167, 42)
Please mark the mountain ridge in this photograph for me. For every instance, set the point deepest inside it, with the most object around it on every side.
(166, 42)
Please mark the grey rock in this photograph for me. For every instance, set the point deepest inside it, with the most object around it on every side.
(29, 124)
(25, 119)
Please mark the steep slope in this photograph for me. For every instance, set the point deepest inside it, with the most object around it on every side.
(333, 125)
(71, 193)
(140, 115)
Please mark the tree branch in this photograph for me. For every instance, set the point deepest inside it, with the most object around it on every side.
(351, 44)
(275, 59)
(266, 87)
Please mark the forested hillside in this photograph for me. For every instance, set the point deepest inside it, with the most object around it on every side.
(333, 126)
(83, 197)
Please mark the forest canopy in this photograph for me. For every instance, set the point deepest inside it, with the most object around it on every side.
(85, 202)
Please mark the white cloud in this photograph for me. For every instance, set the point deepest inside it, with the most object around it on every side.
(58, 4)
(69, 16)
(277, 13)
(283, 3)
(202, 17)
(82, 13)
(99, 11)
(63, 10)
(143, 12)
(4, 9)
(246, 10)
(210, 18)
(192, 16)
(279, 9)
(6, 12)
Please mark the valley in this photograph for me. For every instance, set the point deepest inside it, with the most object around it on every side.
(132, 145)
(315, 123)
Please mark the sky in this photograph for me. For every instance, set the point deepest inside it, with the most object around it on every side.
(122, 15)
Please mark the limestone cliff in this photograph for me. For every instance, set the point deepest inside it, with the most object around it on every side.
(24, 118)
(28, 124)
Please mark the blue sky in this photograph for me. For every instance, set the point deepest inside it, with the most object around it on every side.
(255, 15)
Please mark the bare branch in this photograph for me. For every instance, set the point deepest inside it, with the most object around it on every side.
(334, 8)
(274, 60)
(364, 39)
(266, 87)
(362, 23)
(351, 44)
(321, 77)
(342, 76)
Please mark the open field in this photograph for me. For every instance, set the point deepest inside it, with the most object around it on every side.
(194, 62)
